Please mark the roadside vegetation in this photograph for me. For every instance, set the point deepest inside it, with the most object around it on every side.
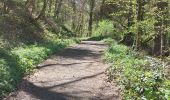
(21, 61)
(140, 76)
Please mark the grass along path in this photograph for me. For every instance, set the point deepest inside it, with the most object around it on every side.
(15, 63)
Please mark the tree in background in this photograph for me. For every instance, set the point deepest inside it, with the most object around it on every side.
(160, 41)
(141, 23)
(91, 7)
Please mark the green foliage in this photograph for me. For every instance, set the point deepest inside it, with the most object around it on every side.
(8, 72)
(141, 77)
(144, 23)
(29, 56)
(105, 27)
(110, 41)
(2, 44)
(4, 74)
(20, 61)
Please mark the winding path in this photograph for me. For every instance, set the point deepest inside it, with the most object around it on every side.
(77, 73)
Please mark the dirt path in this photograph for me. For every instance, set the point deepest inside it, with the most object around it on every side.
(77, 73)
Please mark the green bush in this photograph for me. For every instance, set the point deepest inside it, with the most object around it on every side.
(16, 63)
(110, 41)
(8, 72)
(105, 27)
(29, 56)
(4, 77)
(141, 77)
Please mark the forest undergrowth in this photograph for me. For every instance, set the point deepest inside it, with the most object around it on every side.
(140, 76)
(21, 61)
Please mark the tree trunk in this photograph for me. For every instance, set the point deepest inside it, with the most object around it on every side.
(140, 15)
(92, 4)
(160, 41)
(101, 9)
(55, 9)
(5, 6)
(74, 15)
(58, 8)
(128, 39)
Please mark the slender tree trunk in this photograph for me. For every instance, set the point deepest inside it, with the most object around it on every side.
(92, 5)
(130, 15)
(74, 15)
(140, 15)
(58, 8)
(55, 9)
(101, 9)
(128, 39)
(32, 7)
(5, 7)
(160, 41)
(82, 22)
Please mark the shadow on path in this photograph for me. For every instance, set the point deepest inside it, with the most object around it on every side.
(60, 64)
(44, 93)
(79, 54)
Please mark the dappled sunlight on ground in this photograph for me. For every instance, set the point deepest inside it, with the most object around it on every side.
(77, 73)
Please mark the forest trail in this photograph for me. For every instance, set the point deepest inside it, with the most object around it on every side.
(76, 73)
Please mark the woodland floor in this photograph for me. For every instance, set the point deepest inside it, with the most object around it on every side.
(76, 73)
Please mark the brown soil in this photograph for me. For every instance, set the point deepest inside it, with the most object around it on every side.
(77, 73)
